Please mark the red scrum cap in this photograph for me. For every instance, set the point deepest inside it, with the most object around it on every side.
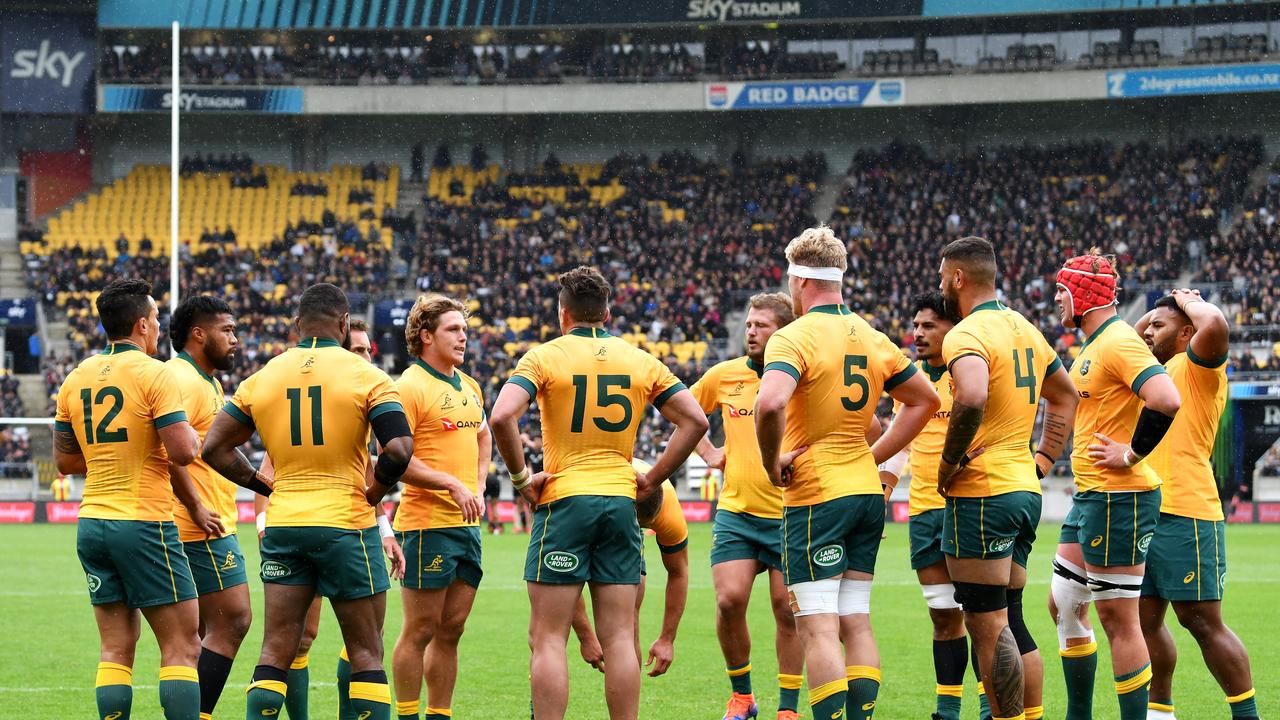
(1090, 282)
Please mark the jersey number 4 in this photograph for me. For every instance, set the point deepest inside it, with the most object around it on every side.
(604, 399)
(295, 415)
(101, 434)
(1025, 376)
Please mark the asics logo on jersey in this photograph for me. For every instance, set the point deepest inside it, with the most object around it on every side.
(999, 545)
(273, 569)
(1186, 579)
(94, 581)
(1144, 542)
(828, 555)
(1096, 541)
(113, 716)
(868, 706)
(269, 712)
(559, 561)
(230, 562)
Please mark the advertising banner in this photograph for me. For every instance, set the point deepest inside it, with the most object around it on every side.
(804, 94)
(127, 98)
(17, 512)
(46, 63)
(1167, 82)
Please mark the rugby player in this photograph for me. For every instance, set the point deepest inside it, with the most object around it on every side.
(1000, 366)
(316, 403)
(822, 378)
(1127, 403)
(592, 389)
(120, 423)
(1187, 558)
(746, 538)
(437, 522)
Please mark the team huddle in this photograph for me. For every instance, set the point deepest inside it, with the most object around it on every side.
(808, 468)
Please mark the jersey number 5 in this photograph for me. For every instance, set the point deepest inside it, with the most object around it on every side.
(852, 363)
(101, 434)
(604, 399)
(295, 415)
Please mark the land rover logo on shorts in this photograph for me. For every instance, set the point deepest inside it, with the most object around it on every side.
(273, 569)
(828, 555)
(95, 582)
(999, 545)
(1144, 542)
(561, 561)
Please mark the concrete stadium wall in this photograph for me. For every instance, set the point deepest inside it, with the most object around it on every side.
(523, 141)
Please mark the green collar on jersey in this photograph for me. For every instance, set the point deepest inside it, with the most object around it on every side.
(590, 332)
(1093, 335)
(312, 343)
(990, 305)
(757, 369)
(119, 346)
(185, 356)
(934, 373)
(831, 309)
(455, 382)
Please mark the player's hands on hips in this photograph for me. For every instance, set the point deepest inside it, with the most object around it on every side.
(781, 474)
(1107, 453)
(644, 488)
(471, 505)
(947, 471)
(209, 522)
(715, 458)
(591, 651)
(533, 490)
(396, 556)
(661, 653)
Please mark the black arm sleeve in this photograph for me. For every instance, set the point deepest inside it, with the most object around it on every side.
(387, 427)
(390, 425)
(1150, 431)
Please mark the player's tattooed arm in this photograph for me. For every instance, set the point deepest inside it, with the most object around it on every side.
(961, 430)
(67, 455)
(222, 453)
(1060, 400)
(1006, 675)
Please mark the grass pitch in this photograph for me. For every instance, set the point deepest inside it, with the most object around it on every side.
(49, 644)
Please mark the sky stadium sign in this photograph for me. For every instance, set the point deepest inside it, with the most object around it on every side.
(125, 98)
(723, 10)
(812, 94)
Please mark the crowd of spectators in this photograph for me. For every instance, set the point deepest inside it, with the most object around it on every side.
(15, 451)
(1038, 205)
(460, 63)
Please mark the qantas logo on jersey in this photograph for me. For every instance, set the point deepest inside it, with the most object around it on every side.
(449, 426)
(739, 412)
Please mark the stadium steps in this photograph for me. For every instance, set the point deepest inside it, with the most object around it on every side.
(13, 283)
(828, 195)
(34, 396)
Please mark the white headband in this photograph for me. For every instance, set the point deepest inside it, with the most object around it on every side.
(816, 273)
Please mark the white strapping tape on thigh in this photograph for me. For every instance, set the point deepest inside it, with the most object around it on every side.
(855, 597)
(816, 597)
(1114, 586)
(940, 597)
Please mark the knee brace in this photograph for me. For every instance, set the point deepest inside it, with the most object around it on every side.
(1115, 586)
(940, 597)
(1017, 625)
(1070, 591)
(855, 597)
(816, 597)
(978, 597)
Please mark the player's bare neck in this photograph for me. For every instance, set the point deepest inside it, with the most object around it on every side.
(825, 297)
(444, 367)
(974, 299)
(196, 353)
(1090, 323)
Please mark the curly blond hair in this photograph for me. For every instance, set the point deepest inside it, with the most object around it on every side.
(425, 315)
(818, 247)
(777, 303)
